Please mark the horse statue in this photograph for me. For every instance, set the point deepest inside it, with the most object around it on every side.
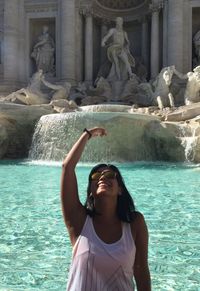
(192, 91)
(159, 90)
(102, 88)
(32, 94)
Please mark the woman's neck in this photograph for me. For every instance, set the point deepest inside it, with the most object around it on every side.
(107, 211)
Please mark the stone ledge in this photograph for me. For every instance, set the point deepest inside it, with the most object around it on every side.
(184, 113)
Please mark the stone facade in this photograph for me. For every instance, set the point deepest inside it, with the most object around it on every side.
(161, 34)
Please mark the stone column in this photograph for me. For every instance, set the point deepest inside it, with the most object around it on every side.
(175, 34)
(11, 35)
(155, 8)
(88, 46)
(68, 48)
(145, 41)
(165, 32)
(79, 46)
(22, 44)
(104, 30)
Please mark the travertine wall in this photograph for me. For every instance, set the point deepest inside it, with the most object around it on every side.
(162, 38)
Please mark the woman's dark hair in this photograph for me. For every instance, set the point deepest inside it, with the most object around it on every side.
(125, 204)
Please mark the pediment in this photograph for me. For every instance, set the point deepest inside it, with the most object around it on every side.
(109, 9)
(121, 4)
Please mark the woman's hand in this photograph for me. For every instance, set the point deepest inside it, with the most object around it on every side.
(97, 131)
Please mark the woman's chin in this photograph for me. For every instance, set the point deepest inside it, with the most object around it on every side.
(102, 190)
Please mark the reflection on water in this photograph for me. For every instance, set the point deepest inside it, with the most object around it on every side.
(34, 245)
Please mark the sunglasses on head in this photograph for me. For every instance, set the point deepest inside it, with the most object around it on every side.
(105, 174)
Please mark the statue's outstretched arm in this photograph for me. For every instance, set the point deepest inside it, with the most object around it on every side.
(180, 75)
(106, 37)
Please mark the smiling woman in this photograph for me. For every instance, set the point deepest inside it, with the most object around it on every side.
(104, 174)
(107, 229)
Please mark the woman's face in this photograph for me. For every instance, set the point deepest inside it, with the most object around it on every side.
(104, 182)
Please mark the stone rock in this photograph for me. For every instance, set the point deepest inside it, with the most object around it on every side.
(102, 89)
(3, 137)
(17, 123)
(60, 103)
(184, 113)
(189, 135)
(63, 105)
(92, 100)
(73, 105)
(196, 155)
(167, 146)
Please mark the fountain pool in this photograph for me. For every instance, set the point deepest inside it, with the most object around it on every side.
(34, 246)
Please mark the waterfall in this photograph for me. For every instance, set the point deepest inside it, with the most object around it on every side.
(131, 136)
(56, 133)
(189, 140)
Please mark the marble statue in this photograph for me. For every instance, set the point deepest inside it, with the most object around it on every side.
(118, 53)
(196, 41)
(43, 52)
(32, 94)
(103, 89)
(61, 91)
(159, 90)
(192, 91)
(130, 87)
(78, 93)
(161, 85)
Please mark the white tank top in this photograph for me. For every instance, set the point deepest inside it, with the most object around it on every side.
(98, 266)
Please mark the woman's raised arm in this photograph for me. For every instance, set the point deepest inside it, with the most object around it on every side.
(73, 211)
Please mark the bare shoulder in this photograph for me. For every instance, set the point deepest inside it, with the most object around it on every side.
(138, 224)
(137, 218)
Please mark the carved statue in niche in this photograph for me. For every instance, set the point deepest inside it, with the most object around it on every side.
(118, 53)
(196, 40)
(43, 52)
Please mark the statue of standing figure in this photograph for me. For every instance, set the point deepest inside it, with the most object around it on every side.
(118, 53)
(43, 52)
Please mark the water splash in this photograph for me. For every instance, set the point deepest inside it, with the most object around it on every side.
(189, 140)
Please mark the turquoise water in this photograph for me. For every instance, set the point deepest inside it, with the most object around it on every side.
(34, 245)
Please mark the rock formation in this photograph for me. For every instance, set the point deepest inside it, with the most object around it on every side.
(17, 123)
